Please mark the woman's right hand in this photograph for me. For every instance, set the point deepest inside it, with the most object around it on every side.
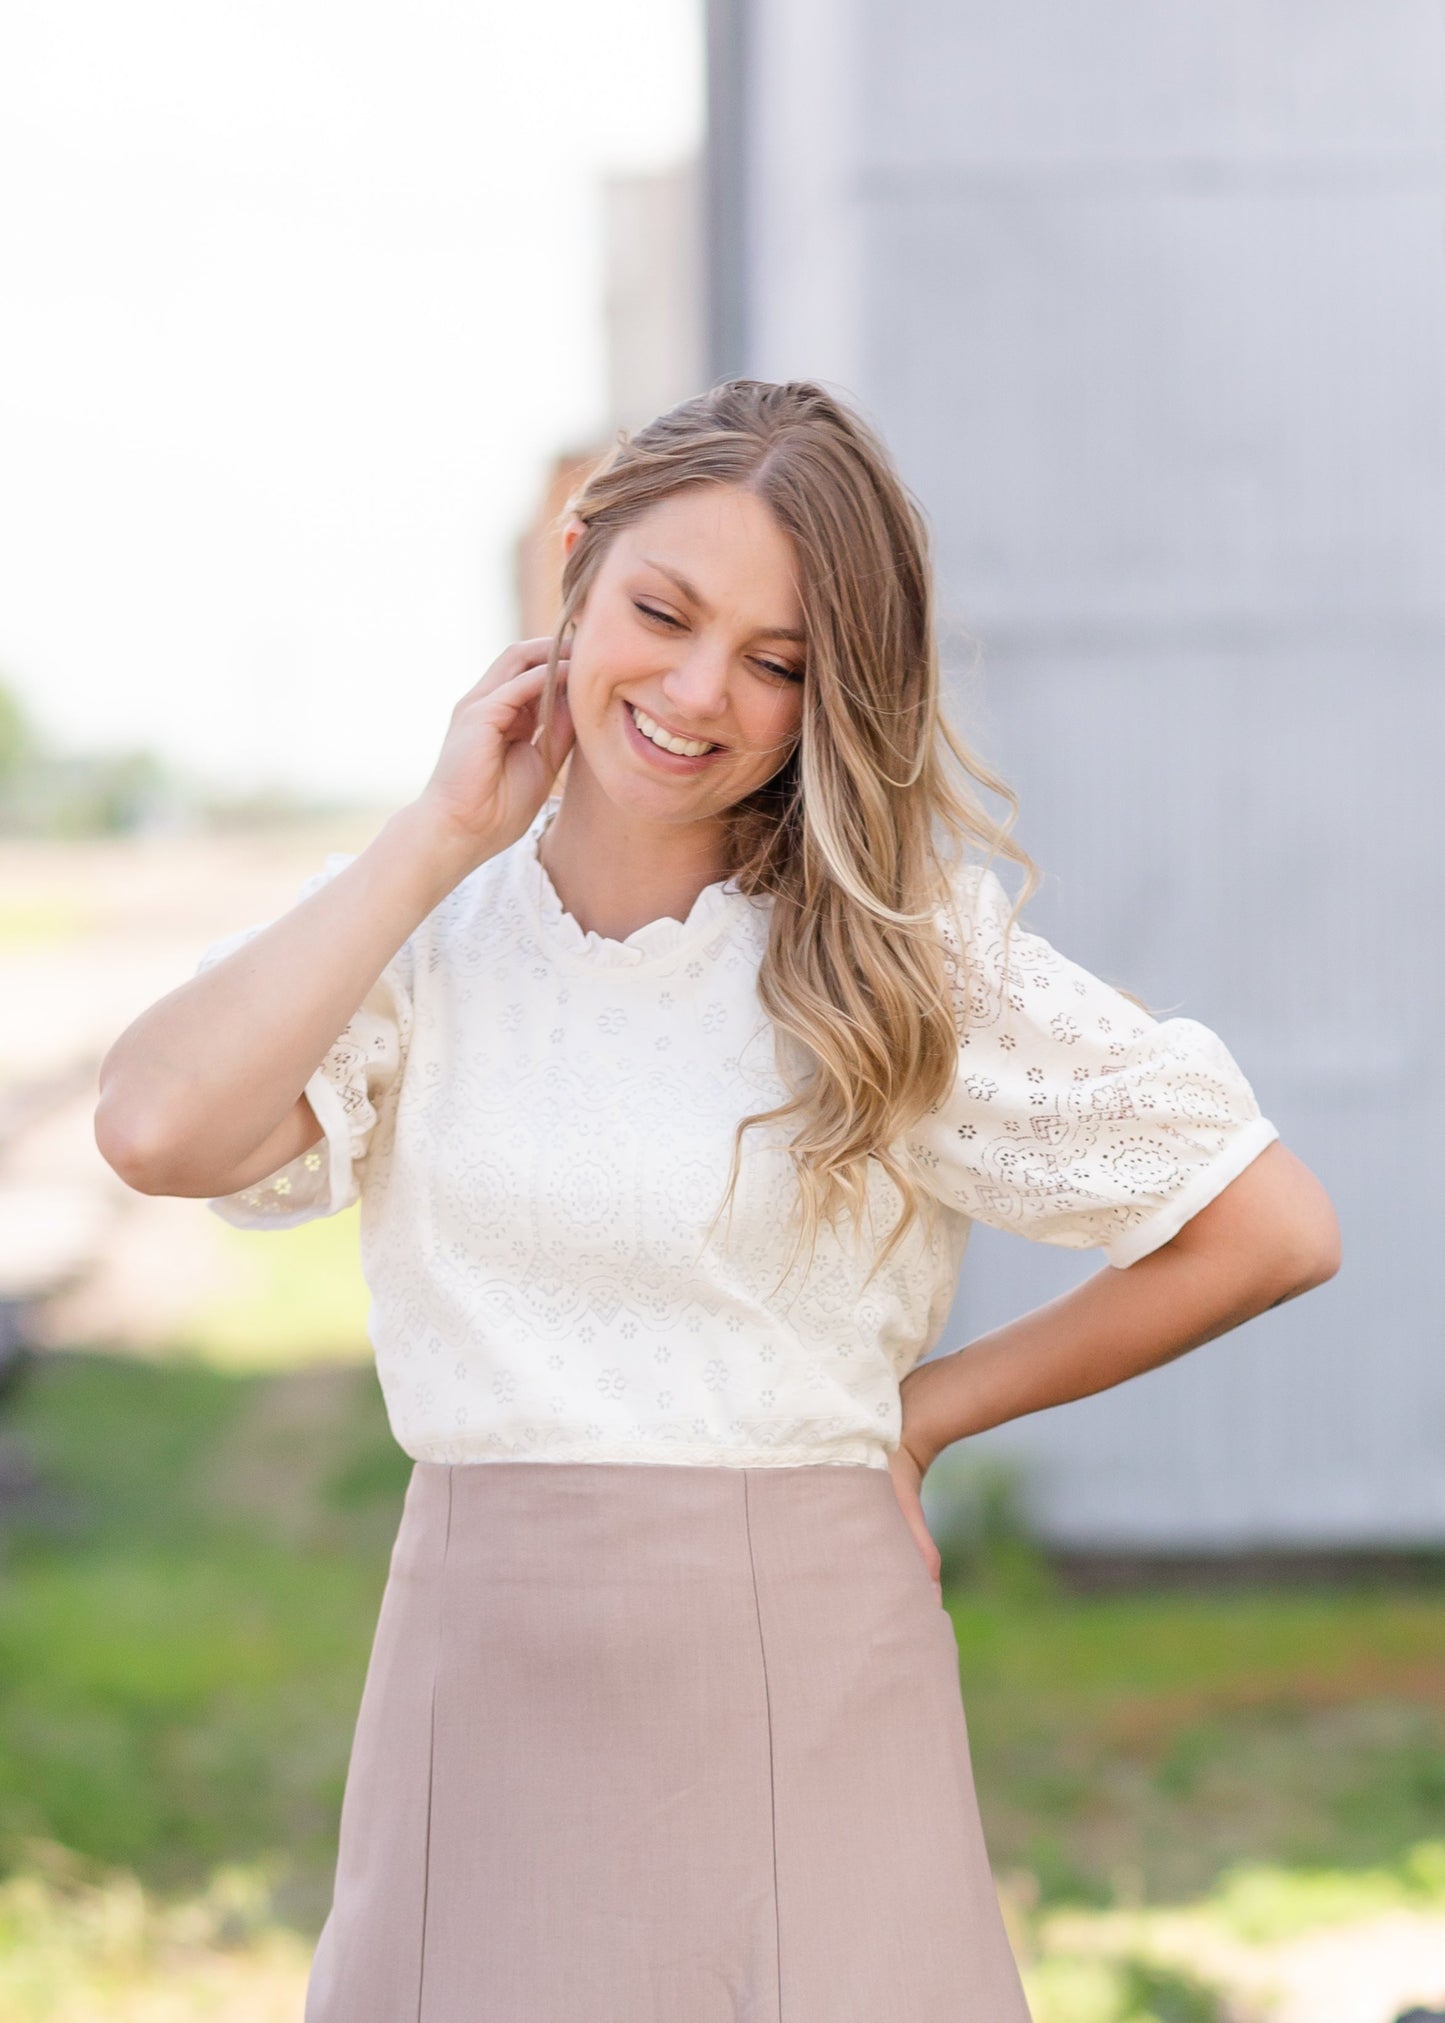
(491, 778)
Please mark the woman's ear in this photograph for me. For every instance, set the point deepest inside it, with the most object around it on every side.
(573, 530)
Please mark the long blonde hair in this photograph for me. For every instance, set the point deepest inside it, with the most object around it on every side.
(846, 835)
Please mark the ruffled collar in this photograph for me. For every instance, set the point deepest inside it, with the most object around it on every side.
(654, 941)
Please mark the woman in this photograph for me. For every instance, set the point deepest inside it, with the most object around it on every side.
(669, 1101)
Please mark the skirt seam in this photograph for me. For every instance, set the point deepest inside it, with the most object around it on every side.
(431, 1750)
(768, 1712)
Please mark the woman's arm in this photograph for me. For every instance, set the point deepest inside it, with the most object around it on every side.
(202, 1092)
(1269, 1235)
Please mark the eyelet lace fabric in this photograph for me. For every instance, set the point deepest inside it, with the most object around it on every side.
(1076, 1119)
(537, 1123)
(361, 1064)
(656, 941)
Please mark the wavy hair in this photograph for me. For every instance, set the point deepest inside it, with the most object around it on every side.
(857, 835)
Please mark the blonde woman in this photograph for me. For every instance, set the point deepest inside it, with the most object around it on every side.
(669, 1099)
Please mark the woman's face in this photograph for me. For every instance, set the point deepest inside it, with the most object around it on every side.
(692, 624)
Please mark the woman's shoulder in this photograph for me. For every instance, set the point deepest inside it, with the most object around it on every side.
(977, 911)
(976, 888)
(486, 925)
(998, 965)
(497, 880)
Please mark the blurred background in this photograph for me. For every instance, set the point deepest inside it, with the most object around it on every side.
(312, 316)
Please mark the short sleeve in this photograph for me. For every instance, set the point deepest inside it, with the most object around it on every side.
(1076, 1118)
(361, 1069)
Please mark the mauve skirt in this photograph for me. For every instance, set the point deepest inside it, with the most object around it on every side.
(643, 1743)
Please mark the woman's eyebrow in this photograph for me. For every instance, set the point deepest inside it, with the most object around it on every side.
(690, 591)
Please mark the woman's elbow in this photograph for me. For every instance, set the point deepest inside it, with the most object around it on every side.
(128, 1150)
(1303, 1248)
(1321, 1255)
(1313, 1228)
(1274, 1223)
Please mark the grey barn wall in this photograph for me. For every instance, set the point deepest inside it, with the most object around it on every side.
(1151, 305)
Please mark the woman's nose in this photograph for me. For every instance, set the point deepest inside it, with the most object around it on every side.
(698, 685)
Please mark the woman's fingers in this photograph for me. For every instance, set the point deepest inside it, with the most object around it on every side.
(490, 776)
(907, 1484)
(522, 657)
(510, 692)
(560, 741)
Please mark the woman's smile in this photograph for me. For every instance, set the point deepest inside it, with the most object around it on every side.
(658, 755)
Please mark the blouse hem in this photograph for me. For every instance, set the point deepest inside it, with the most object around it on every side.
(869, 1456)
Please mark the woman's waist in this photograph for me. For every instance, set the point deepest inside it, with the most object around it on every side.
(670, 1402)
(651, 1529)
(575, 1447)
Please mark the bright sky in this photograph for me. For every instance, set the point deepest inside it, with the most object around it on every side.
(297, 298)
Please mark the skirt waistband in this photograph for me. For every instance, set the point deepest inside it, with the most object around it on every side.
(555, 1521)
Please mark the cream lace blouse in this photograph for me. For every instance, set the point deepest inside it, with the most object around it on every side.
(537, 1123)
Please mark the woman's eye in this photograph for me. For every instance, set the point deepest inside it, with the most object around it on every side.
(768, 666)
(647, 611)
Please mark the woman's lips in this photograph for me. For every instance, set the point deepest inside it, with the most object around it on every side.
(673, 762)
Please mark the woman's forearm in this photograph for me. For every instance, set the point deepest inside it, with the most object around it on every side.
(1267, 1237)
(1114, 1326)
(201, 1078)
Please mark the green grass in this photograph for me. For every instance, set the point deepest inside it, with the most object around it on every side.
(185, 1618)
(77, 1944)
(1129, 1990)
(1137, 1747)
(184, 1623)
(284, 1298)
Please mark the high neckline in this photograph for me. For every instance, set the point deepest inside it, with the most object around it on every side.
(654, 941)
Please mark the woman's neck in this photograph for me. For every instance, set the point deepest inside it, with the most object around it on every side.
(615, 872)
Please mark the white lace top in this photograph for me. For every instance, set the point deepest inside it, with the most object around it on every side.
(537, 1122)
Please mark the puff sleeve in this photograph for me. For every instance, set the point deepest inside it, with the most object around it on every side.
(360, 1070)
(1076, 1118)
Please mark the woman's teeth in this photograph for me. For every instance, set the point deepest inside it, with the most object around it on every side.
(688, 748)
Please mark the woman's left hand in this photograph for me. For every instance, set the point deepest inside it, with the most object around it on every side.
(907, 1481)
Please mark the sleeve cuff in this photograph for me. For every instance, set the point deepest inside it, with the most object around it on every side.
(1170, 1217)
(325, 1099)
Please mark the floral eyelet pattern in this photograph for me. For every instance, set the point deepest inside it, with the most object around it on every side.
(537, 1124)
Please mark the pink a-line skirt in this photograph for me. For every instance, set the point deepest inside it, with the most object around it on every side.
(643, 1743)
